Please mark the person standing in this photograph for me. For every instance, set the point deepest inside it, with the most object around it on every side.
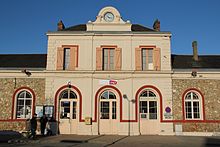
(33, 126)
(43, 123)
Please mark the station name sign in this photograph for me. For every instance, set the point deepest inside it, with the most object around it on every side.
(108, 82)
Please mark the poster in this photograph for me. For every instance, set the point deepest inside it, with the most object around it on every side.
(48, 111)
(39, 111)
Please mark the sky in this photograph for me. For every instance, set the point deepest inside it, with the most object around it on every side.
(24, 23)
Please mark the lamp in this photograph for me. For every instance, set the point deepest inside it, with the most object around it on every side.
(28, 73)
(69, 84)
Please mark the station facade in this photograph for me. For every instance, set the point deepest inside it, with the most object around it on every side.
(110, 76)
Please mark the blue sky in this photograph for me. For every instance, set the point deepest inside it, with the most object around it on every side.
(23, 23)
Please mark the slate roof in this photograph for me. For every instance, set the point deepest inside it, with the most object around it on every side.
(39, 61)
(134, 28)
(23, 60)
(187, 62)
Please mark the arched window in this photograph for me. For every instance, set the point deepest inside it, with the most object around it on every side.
(24, 101)
(148, 105)
(68, 94)
(68, 104)
(108, 106)
(193, 105)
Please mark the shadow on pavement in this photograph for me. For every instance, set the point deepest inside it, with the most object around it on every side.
(5, 136)
(212, 142)
(80, 141)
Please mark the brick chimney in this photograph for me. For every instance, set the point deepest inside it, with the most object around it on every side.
(195, 51)
(60, 26)
(156, 25)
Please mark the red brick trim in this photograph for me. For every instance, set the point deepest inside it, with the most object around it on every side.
(57, 97)
(183, 105)
(137, 101)
(97, 100)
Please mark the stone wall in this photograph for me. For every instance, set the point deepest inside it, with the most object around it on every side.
(210, 90)
(7, 88)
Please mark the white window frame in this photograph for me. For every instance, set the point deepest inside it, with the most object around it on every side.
(148, 99)
(112, 105)
(66, 57)
(24, 99)
(71, 100)
(147, 58)
(108, 59)
(191, 100)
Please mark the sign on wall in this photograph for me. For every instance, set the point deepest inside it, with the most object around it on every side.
(39, 110)
(108, 82)
(168, 114)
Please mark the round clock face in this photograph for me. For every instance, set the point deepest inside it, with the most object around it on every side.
(109, 17)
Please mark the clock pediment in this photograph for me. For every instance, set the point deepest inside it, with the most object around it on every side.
(109, 19)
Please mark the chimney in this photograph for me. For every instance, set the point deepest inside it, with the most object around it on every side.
(195, 51)
(156, 25)
(60, 26)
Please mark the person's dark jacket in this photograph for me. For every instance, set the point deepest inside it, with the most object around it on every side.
(34, 123)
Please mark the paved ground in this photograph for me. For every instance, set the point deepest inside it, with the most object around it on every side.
(115, 141)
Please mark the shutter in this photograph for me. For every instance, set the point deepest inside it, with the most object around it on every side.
(98, 58)
(60, 56)
(118, 58)
(156, 58)
(77, 56)
(72, 64)
(138, 59)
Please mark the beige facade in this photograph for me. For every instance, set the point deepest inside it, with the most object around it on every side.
(119, 79)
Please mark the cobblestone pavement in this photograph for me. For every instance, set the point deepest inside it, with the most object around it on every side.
(119, 141)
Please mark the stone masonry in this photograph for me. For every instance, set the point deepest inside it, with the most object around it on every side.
(210, 90)
(7, 88)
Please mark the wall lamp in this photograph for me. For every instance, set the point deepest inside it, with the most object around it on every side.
(28, 73)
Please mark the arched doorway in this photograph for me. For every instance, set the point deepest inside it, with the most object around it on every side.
(149, 104)
(68, 111)
(108, 112)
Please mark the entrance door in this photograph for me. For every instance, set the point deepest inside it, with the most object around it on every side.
(68, 112)
(108, 120)
(149, 118)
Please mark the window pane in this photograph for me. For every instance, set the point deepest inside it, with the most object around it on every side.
(108, 59)
(20, 102)
(144, 64)
(188, 109)
(195, 97)
(65, 109)
(28, 95)
(143, 107)
(151, 94)
(74, 110)
(152, 110)
(104, 95)
(150, 56)
(72, 95)
(196, 112)
(64, 94)
(21, 94)
(66, 58)
(113, 110)
(28, 102)
(112, 95)
(104, 110)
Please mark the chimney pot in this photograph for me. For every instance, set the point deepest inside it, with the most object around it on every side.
(195, 51)
(156, 25)
(60, 25)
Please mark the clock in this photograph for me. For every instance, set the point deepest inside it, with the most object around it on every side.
(109, 17)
